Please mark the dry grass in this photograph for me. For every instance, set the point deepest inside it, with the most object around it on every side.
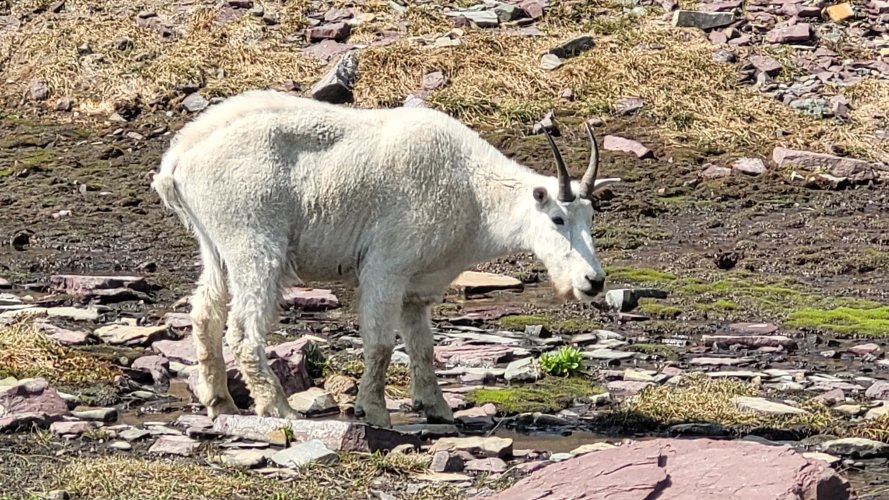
(699, 398)
(27, 352)
(495, 79)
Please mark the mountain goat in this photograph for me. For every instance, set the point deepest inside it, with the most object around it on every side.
(280, 189)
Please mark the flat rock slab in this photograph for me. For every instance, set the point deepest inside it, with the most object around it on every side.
(472, 355)
(855, 448)
(606, 354)
(681, 469)
(476, 283)
(183, 351)
(85, 285)
(72, 313)
(766, 407)
(336, 435)
(754, 341)
(310, 299)
(302, 454)
(129, 335)
(615, 143)
(855, 170)
(174, 445)
(32, 396)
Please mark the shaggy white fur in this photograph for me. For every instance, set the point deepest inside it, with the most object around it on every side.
(281, 189)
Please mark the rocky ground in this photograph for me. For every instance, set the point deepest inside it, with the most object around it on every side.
(746, 253)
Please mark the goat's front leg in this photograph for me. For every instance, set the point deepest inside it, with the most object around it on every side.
(379, 311)
(418, 338)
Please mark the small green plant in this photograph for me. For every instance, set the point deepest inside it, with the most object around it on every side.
(566, 361)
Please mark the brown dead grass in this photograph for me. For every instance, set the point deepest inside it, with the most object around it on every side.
(26, 352)
(495, 79)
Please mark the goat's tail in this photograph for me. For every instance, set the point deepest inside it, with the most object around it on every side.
(165, 185)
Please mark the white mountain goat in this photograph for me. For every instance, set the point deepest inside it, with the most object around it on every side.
(280, 189)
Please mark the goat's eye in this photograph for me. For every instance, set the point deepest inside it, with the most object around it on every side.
(558, 221)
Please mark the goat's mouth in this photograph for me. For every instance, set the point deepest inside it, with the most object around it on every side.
(586, 295)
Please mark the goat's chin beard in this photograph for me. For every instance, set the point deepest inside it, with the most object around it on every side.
(565, 292)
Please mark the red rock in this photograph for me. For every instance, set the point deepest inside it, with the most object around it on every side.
(157, 366)
(878, 390)
(310, 299)
(294, 354)
(765, 64)
(854, 170)
(533, 8)
(753, 341)
(325, 49)
(32, 395)
(718, 38)
(792, 33)
(624, 388)
(177, 320)
(863, 349)
(434, 80)
(65, 336)
(23, 421)
(715, 172)
(753, 328)
(615, 143)
(749, 166)
(722, 6)
(335, 31)
(85, 285)
(831, 397)
(75, 427)
(476, 315)
(183, 351)
(472, 355)
(679, 469)
(741, 40)
(334, 15)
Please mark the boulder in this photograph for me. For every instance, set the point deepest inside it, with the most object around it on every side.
(32, 396)
(673, 469)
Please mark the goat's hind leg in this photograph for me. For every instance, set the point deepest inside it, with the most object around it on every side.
(416, 330)
(209, 304)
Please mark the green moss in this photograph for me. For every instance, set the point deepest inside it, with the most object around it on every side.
(638, 275)
(654, 309)
(873, 322)
(725, 305)
(39, 157)
(549, 394)
(565, 325)
(520, 321)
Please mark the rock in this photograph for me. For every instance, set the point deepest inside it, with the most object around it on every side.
(865, 349)
(607, 354)
(38, 91)
(507, 12)
(592, 447)
(433, 81)
(240, 4)
(337, 84)
(480, 18)
(573, 47)
(628, 106)
(522, 370)
(672, 469)
(719, 361)
(477, 283)
(631, 375)
(96, 414)
(702, 20)
(134, 434)
(336, 435)
(749, 166)
(878, 390)
(183, 351)
(824, 457)
(876, 412)
(625, 299)
(443, 461)
(615, 143)
(341, 387)
(478, 446)
(247, 459)
(715, 172)
(302, 454)
(752, 341)
(326, 49)
(174, 445)
(858, 171)
(131, 335)
(64, 104)
(766, 407)
(765, 64)
(533, 8)
(334, 31)
(724, 56)
(472, 355)
(840, 12)
(157, 366)
(626, 388)
(121, 446)
(831, 397)
(490, 465)
(293, 381)
(70, 427)
(790, 33)
(310, 299)
(85, 286)
(814, 107)
(22, 421)
(194, 103)
(550, 62)
(849, 410)
(57, 494)
(65, 336)
(855, 448)
(32, 396)
(314, 401)
(477, 418)
(753, 328)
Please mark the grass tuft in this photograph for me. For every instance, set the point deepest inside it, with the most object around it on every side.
(549, 394)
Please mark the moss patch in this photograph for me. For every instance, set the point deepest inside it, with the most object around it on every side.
(698, 398)
(549, 394)
(563, 325)
(654, 309)
(872, 322)
(638, 275)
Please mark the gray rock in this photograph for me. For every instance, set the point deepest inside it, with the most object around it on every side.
(607, 354)
(855, 448)
(625, 299)
(443, 461)
(336, 86)
(490, 465)
(749, 166)
(480, 18)
(38, 91)
(314, 401)
(573, 47)
(174, 445)
(478, 446)
(195, 102)
(507, 12)
(134, 434)
(624, 145)
(522, 370)
(302, 454)
(550, 62)
(878, 390)
(96, 414)
(702, 20)
(766, 407)
(249, 458)
(129, 335)
(121, 446)
(628, 106)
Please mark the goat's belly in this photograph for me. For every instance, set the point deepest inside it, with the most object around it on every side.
(325, 259)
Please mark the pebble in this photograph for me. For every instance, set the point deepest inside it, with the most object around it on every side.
(302, 454)
(121, 445)
(855, 448)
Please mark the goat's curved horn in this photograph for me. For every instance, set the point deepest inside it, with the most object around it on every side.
(588, 181)
(565, 194)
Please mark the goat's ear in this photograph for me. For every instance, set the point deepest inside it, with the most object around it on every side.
(540, 195)
(604, 183)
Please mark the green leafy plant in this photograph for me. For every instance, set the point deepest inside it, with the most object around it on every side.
(566, 361)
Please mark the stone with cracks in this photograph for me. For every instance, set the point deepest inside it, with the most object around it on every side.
(174, 445)
(78, 285)
(314, 401)
(71, 427)
(858, 171)
(334, 31)
(463, 354)
(673, 470)
(753, 341)
(32, 396)
(336, 435)
(615, 143)
(766, 407)
(792, 33)
(302, 454)
(337, 84)
(129, 335)
(855, 448)
(310, 299)
(478, 446)
(522, 370)
(702, 20)
(476, 283)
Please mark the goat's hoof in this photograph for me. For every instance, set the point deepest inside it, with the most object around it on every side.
(379, 418)
(438, 413)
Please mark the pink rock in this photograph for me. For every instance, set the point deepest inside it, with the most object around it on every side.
(715, 172)
(753, 328)
(65, 336)
(86, 285)
(325, 49)
(475, 417)
(880, 6)
(23, 421)
(680, 469)
(863, 349)
(765, 64)
(434, 80)
(295, 355)
(625, 388)
(334, 15)
(472, 355)
(615, 143)
(749, 166)
(32, 396)
(792, 33)
(487, 465)
(718, 37)
(335, 31)
(533, 8)
(291, 381)
(183, 351)
(854, 170)
(831, 397)
(878, 390)
(752, 341)
(177, 320)
(73, 427)
(310, 299)
(475, 315)
(157, 366)
(174, 445)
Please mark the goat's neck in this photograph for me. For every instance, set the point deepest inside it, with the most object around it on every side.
(507, 209)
